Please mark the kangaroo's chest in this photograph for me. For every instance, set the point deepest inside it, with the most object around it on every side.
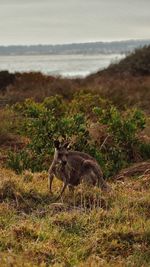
(59, 171)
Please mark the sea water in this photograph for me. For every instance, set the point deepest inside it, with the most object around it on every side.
(63, 65)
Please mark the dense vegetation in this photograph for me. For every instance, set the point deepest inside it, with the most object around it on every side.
(118, 145)
(99, 115)
(137, 63)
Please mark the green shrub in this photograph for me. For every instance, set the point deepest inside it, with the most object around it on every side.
(56, 119)
(18, 161)
(123, 129)
(83, 102)
(145, 150)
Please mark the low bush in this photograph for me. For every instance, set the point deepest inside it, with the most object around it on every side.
(136, 63)
(9, 124)
(6, 79)
(55, 118)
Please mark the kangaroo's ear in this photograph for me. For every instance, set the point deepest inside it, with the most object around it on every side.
(66, 145)
(56, 144)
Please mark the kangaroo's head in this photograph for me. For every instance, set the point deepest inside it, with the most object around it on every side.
(61, 152)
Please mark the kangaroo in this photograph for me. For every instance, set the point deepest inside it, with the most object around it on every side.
(72, 167)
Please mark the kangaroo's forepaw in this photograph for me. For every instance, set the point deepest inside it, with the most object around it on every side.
(57, 198)
(50, 192)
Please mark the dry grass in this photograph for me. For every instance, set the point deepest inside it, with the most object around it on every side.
(85, 228)
(122, 89)
(37, 86)
(134, 170)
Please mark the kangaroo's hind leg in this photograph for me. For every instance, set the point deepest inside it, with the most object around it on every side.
(87, 174)
(62, 191)
(50, 179)
(93, 169)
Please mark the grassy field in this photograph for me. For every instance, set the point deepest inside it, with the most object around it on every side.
(86, 228)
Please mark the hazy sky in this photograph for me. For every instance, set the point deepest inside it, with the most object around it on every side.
(67, 21)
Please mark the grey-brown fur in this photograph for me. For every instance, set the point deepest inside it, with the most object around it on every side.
(72, 167)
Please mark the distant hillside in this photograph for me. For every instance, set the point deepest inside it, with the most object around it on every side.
(78, 48)
(137, 63)
(126, 83)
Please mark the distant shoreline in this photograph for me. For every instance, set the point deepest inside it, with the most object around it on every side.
(80, 54)
(118, 47)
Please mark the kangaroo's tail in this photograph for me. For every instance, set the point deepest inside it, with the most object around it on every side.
(101, 182)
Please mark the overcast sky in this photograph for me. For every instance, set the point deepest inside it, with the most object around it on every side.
(67, 21)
